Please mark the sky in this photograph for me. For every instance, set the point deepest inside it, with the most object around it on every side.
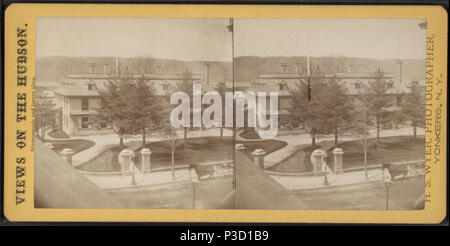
(209, 40)
(182, 39)
(365, 38)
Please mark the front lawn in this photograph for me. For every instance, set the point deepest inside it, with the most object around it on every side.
(59, 134)
(390, 149)
(249, 133)
(199, 150)
(298, 162)
(105, 162)
(77, 145)
(268, 146)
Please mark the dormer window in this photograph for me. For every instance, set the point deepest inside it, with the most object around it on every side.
(282, 86)
(91, 86)
(165, 86)
(357, 85)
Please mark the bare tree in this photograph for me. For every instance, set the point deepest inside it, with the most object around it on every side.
(43, 112)
(360, 125)
(168, 132)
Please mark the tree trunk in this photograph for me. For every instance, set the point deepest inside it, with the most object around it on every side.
(313, 137)
(378, 129)
(221, 132)
(185, 138)
(335, 137)
(121, 140)
(143, 136)
(365, 159)
(43, 132)
(173, 164)
(415, 129)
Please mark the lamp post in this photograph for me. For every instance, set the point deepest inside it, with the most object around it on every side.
(194, 186)
(325, 178)
(230, 28)
(133, 178)
(194, 181)
(387, 183)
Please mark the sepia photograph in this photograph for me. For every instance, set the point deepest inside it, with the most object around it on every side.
(230, 113)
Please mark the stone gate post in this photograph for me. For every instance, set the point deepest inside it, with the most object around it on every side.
(49, 145)
(317, 157)
(125, 161)
(338, 154)
(259, 157)
(145, 158)
(67, 155)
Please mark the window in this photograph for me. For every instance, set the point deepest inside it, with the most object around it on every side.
(399, 100)
(84, 104)
(415, 83)
(84, 122)
(282, 85)
(357, 85)
(165, 86)
(103, 124)
(91, 86)
(390, 84)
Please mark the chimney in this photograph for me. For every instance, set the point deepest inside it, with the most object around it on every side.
(205, 74)
(398, 71)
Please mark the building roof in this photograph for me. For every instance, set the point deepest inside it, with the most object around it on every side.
(109, 76)
(271, 82)
(257, 190)
(76, 90)
(59, 185)
(77, 85)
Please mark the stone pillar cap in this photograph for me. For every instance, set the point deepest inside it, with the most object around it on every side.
(145, 151)
(338, 150)
(317, 152)
(125, 152)
(67, 151)
(258, 152)
(50, 145)
(240, 146)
